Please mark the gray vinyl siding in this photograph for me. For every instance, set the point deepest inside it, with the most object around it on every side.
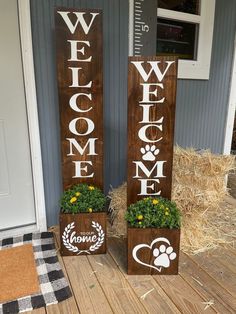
(201, 105)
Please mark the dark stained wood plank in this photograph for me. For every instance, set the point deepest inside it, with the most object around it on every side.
(211, 263)
(206, 286)
(156, 301)
(77, 166)
(83, 227)
(84, 284)
(120, 295)
(160, 133)
(146, 236)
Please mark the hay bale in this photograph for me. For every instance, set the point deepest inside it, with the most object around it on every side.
(199, 179)
(118, 206)
(203, 162)
(199, 187)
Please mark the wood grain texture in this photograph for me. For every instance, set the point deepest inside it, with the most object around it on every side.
(211, 263)
(145, 236)
(185, 298)
(68, 306)
(159, 110)
(83, 227)
(120, 295)
(206, 285)
(86, 287)
(90, 71)
(156, 301)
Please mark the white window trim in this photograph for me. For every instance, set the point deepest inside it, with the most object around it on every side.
(32, 114)
(231, 108)
(189, 69)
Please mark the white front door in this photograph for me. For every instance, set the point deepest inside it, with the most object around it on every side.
(17, 195)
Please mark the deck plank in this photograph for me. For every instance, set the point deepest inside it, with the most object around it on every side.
(118, 291)
(85, 286)
(211, 263)
(226, 257)
(181, 293)
(100, 284)
(156, 301)
(206, 286)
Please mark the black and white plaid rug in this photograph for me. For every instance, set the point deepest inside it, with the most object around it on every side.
(53, 285)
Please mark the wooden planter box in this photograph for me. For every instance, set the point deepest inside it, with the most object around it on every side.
(153, 251)
(83, 233)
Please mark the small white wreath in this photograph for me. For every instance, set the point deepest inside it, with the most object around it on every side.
(92, 248)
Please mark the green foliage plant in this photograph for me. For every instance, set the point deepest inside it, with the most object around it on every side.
(153, 213)
(82, 198)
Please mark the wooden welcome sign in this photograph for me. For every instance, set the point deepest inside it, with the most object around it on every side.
(151, 116)
(80, 89)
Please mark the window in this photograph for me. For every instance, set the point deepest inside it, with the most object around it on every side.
(185, 29)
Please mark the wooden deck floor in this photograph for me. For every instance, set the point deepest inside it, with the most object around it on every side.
(206, 284)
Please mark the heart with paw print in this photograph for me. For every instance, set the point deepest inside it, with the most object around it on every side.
(163, 255)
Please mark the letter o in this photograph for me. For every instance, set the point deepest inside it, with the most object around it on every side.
(142, 133)
(90, 126)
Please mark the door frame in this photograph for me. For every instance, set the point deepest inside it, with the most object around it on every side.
(231, 107)
(33, 124)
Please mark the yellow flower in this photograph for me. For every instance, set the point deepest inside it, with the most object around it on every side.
(90, 210)
(154, 202)
(162, 207)
(166, 213)
(140, 222)
(140, 217)
(167, 208)
(91, 188)
(73, 199)
(77, 193)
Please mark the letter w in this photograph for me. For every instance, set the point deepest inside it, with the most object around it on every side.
(154, 67)
(80, 19)
(90, 143)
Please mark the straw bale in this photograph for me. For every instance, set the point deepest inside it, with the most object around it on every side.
(201, 162)
(118, 205)
(199, 187)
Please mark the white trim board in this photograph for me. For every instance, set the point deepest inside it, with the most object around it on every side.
(33, 125)
(188, 69)
(231, 108)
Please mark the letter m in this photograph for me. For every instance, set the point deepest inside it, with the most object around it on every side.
(158, 167)
(90, 144)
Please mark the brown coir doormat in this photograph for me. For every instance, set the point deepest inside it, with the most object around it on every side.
(18, 273)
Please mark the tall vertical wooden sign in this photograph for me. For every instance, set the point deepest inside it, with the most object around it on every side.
(151, 116)
(80, 89)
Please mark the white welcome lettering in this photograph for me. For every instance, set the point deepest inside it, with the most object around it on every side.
(154, 67)
(90, 144)
(74, 50)
(80, 19)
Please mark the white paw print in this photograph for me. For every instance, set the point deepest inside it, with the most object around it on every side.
(164, 256)
(149, 152)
